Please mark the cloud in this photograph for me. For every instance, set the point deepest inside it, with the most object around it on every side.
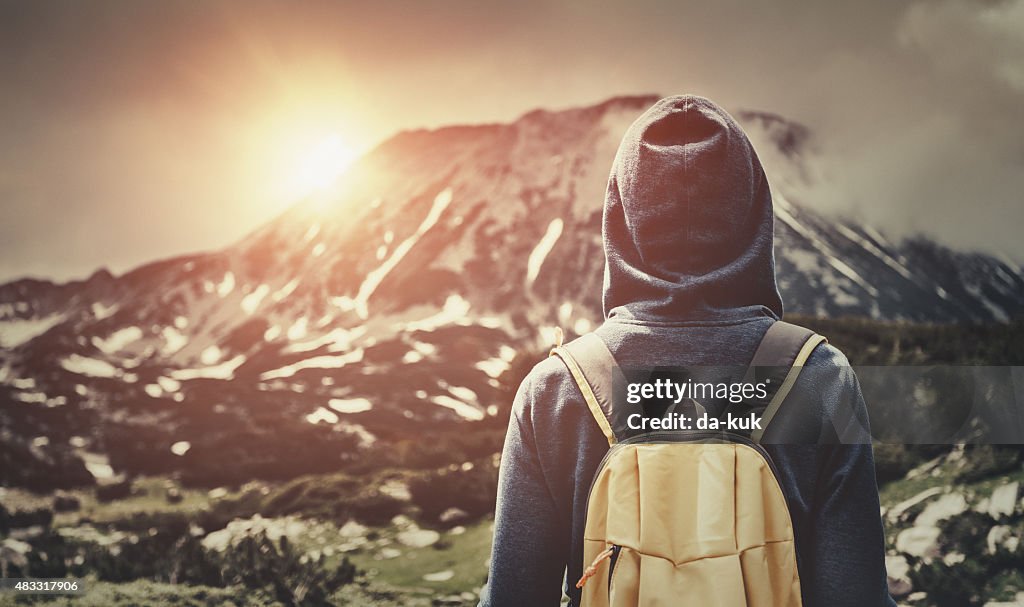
(923, 133)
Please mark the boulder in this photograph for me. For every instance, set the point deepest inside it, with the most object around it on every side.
(921, 542)
(1004, 500)
(898, 575)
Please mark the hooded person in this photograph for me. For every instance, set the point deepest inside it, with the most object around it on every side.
(689, 281)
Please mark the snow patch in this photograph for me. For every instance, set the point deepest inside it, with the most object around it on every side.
(181, 447)
(870, 247)
(174, 340)
(298, 329)
(31, 397)
(20, 383)
(850, 273)
(463, 393)
(92, 367)
(13, 333)
(251, 302)
(375, 277)
(286, 290)
(97, 464)
(540, 252)
(312, 232)
(464, 410)
(168, 384)
(455, 309)
(117, 340)
(351, 405)
(225, 370)
(322, 415)
(102, 312)
(227, 284)
(317, 362)
(337, 340)
(211, 355)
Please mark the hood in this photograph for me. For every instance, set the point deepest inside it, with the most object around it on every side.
(688, 220)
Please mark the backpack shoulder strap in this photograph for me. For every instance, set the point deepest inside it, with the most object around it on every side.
(592, 367)
(782, 353)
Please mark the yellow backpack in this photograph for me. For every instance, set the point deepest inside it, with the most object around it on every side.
(687, 517)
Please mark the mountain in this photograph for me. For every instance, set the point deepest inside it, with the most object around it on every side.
(390, 307)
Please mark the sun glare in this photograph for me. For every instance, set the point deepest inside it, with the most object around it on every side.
(320, 166)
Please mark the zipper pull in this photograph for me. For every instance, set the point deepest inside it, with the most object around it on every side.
(591, 571)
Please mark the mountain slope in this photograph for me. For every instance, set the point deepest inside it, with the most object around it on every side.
(394, 303)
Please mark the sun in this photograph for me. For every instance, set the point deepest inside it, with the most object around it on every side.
(319, 167)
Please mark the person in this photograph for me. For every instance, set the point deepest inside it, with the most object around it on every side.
(689, 280)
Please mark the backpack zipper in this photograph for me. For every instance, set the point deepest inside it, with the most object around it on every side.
(591, 571)
(611, 566)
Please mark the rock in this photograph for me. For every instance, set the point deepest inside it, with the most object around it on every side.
(925, 468)
(453, 515)
(947, 506)
(919, 541)
(14, 552)
(439, 576)
(397, 489)
(899, 509)
(898, 575)
(1001, 537)
(352, 528)
(1003, 500)
(418, 538)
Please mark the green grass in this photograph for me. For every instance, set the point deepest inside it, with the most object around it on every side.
(149, 496)
(465, 555)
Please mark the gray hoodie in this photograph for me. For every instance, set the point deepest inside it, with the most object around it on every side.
(689, 281)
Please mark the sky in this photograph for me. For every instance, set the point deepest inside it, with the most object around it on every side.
(132, 131)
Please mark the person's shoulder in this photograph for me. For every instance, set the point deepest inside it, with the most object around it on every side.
(548, 380)
(827, 356)
(550, 370)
